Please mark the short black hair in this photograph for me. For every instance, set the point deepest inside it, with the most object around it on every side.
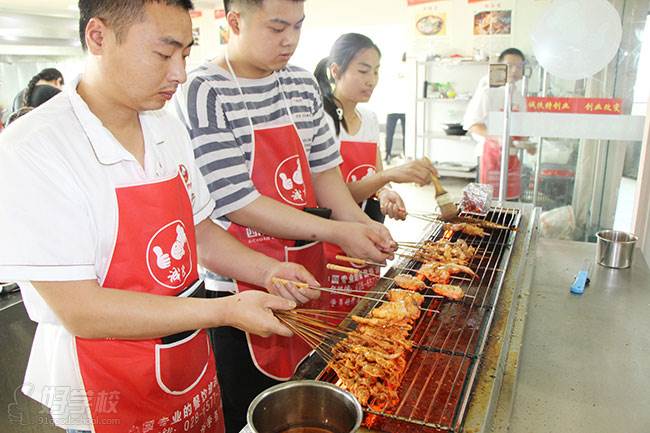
(511, 52)
(228, 4)
(119, 14)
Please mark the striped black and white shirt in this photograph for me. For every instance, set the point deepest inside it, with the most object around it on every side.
(212, 108)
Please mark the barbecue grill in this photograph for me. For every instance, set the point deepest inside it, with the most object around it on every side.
(450, 344)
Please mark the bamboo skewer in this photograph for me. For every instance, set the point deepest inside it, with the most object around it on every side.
(357, 261)
(348, 293)
(317, 333)
(357, 271)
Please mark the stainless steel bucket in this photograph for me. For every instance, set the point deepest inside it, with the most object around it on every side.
(304, 406)
(615, 249)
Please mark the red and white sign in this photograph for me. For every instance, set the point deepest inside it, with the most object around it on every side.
(574, 105)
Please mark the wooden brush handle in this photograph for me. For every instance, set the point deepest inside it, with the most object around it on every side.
(295, 283)
(345, 269)
(352, 260)
(440, 190)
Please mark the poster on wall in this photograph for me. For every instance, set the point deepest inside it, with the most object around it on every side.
(498, 22)
(432, 24)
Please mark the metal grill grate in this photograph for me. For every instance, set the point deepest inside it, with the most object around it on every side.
(435, 390)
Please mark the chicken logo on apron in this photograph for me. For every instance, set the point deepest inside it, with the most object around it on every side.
(360, 172)
(169, 258)
(289, 181)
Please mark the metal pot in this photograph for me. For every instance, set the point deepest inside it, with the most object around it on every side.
(615, 249)
(304, 406)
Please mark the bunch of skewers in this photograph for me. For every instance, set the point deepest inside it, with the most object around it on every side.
(369, 353)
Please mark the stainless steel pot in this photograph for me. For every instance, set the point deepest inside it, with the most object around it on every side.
(615, 249)
(304, 406)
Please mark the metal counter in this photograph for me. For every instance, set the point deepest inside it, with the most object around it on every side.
(582, 363)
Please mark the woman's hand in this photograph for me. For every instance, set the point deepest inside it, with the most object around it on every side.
(391, 204)
(418, 171)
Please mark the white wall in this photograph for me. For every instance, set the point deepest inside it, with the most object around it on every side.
(391, 24)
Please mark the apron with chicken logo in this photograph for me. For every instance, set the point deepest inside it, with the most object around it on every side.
(158, 385)
(280, 171)
(359, 161)
(491, 169)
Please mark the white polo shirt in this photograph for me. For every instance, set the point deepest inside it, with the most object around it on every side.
(59, 168)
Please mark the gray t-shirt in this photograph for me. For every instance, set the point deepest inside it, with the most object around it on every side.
(216, 116)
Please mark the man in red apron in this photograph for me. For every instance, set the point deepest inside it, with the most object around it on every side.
(264, 148)
(110, 271)
(483, 101)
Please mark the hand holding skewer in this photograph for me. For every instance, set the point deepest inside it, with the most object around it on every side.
(281, 279)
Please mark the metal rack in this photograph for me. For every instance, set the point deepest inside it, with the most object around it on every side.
(448, 346)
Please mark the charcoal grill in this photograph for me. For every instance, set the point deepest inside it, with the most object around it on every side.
(448, 346)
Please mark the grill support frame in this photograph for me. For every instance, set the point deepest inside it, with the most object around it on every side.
(476, 407)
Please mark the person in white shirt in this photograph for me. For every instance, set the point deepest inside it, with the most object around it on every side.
(347, 78)
(104, 221)
(488, 99)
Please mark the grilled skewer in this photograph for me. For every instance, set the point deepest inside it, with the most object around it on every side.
(411, 283)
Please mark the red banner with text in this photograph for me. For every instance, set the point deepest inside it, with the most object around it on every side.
(574, 105)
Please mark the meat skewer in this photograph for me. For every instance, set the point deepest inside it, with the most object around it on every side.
(463, 219)
(411, 282)
(349, 293)
(466, 228)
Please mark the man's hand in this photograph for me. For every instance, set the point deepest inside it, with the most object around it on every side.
(370, 241)
(252, 312)
(392, 204)
(292, 272)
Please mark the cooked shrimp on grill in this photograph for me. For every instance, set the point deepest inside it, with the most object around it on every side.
(409, 282)
(481, 223)
(441, 273)
(447, 252)
(371, 360)
(466, 228)
(449, 291)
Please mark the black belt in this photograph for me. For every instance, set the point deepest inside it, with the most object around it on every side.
(193, 291)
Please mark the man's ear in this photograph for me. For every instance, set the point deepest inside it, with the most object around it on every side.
(96, 31)
(234, 21)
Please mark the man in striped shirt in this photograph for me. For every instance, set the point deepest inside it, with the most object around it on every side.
(266, 151)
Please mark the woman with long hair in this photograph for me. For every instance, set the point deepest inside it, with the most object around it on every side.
(41, 87)
(347, 78)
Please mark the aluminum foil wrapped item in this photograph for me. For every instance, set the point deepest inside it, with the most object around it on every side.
(477, 199)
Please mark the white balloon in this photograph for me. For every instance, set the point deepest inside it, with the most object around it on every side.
(574, 39)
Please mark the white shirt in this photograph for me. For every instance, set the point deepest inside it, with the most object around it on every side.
(59, 168)
(367, 133)
(487, 99)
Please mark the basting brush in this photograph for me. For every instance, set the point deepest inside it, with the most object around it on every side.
(448, 210)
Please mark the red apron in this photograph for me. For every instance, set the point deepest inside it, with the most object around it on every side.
(280, 170)
(161, 385)
(359, 161)
(491, 169)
